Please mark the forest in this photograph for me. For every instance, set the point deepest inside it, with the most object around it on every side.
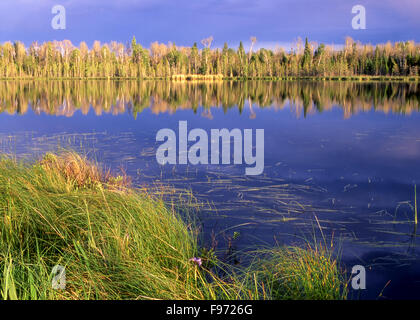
(62, 59)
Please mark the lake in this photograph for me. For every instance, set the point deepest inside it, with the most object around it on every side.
(341, 159)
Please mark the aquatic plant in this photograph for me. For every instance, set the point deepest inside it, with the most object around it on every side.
(302, 273)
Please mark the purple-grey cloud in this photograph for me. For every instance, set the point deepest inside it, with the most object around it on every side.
(188, 21)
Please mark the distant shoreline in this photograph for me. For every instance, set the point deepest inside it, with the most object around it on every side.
(308, 61)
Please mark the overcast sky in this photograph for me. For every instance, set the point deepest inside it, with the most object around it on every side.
(187, 21)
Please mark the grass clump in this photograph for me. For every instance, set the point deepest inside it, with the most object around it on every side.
(114, 243)
(118, 243)
(309, 273)
(80, 172)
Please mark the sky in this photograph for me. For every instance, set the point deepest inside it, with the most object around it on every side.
(183, 22)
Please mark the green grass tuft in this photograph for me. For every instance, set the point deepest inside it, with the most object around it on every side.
(309, 273)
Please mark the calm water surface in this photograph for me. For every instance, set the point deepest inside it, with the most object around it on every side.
(341, 156)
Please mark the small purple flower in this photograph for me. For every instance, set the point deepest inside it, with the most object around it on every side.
(196, 261)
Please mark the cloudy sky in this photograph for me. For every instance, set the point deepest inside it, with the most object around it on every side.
(187, 21)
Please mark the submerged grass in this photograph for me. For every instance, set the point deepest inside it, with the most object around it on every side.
(116, 242)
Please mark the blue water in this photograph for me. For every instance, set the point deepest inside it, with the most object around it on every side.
(353, 177)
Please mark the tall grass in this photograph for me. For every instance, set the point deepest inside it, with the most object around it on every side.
(118, 243)
(309, 273)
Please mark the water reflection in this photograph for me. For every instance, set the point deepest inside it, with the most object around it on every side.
(118, 97)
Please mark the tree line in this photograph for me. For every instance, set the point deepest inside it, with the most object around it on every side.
(62, 59)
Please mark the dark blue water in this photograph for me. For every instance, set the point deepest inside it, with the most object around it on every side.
(344, 181)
